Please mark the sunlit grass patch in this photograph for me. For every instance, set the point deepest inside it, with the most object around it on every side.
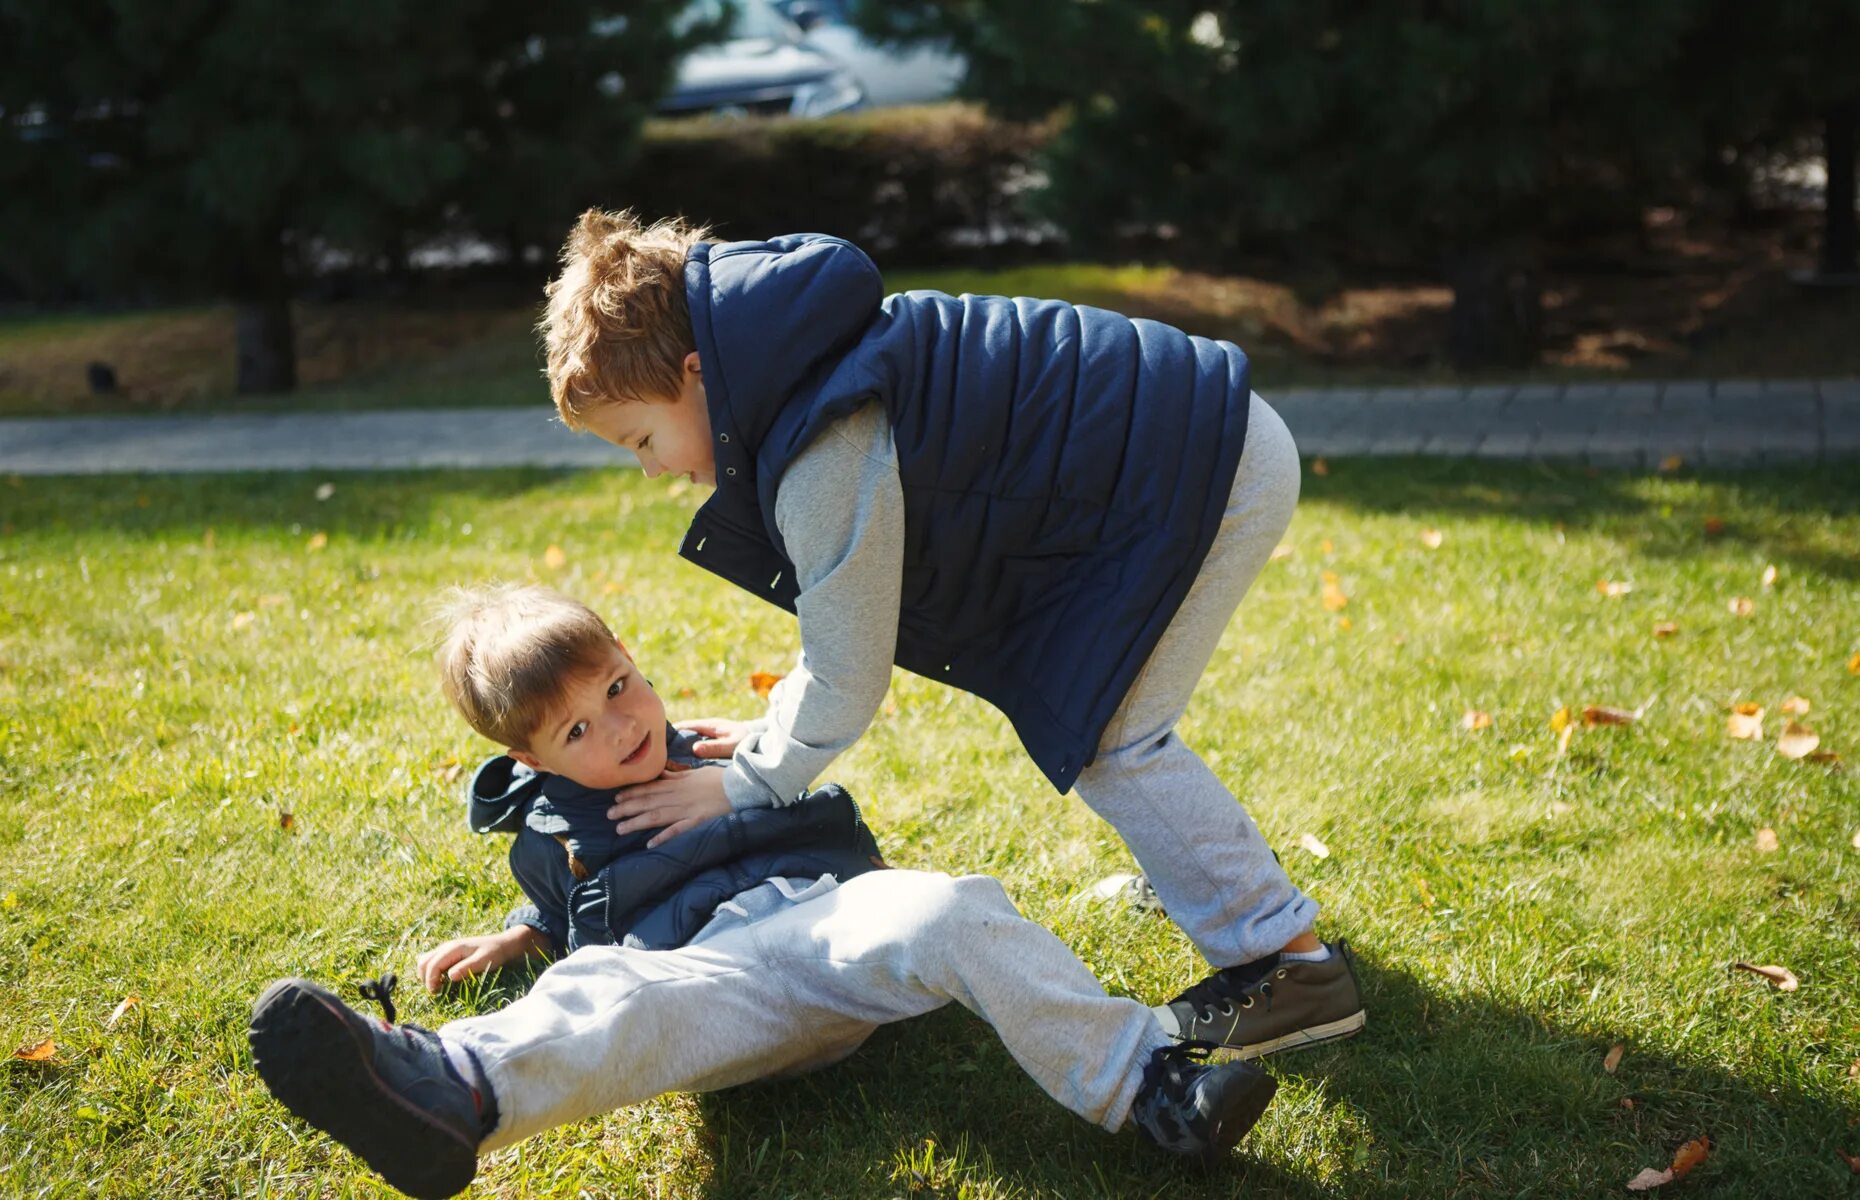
(182, 661)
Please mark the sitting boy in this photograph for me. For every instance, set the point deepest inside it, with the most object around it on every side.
(747, 945)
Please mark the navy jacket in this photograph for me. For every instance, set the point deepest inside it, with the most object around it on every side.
(593, 887)
(1064, 468)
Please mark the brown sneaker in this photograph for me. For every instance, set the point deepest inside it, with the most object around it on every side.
(1268, 1006)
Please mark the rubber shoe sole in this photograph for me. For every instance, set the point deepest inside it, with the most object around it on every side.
(1237, 1109)
(1301, 1039)
(300, 1044)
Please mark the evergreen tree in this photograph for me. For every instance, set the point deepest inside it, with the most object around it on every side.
(1449, 132)
(223, 143)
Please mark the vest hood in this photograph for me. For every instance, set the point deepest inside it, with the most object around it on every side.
(768, 318)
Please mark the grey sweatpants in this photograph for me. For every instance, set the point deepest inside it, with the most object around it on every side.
(1203, 854)
(803, 986)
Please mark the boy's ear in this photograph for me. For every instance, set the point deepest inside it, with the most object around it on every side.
(525, 757)
(692, 364)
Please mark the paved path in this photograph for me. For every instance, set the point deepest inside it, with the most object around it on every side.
(1725, 424)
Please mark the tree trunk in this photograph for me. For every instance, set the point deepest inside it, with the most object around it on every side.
(1840, 243)
(1497, 318)
(267, 349)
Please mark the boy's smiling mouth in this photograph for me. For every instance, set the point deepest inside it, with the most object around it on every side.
(638, 752)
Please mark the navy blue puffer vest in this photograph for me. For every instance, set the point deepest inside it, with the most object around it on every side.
(595, 887)
(1064, 468)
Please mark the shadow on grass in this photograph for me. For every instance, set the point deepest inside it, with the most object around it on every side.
(1779, 511)
(1444, 1095)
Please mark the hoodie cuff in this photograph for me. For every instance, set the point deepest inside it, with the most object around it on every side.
(744, 790)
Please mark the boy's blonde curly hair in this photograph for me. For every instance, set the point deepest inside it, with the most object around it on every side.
(510, 651)
(616, 326)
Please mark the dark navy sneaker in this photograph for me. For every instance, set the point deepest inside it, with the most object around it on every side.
(387, 1092)
(1187, 1106)
(1272, 1005)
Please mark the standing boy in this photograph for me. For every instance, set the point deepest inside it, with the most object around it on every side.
(1054, 507)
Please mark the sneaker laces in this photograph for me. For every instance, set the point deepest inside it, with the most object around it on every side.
(1221, 989)
(381, 991)
(1167, 1070)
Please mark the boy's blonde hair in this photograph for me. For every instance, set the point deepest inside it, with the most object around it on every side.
(617, 326)
(510, 652)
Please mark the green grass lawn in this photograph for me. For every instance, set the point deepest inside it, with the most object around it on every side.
(182, 661)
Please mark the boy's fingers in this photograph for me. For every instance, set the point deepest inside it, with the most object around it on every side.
(713, 749)
(647, 820)
(673, 830)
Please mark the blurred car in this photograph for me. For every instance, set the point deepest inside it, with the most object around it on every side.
(918, 75)
(764, 67)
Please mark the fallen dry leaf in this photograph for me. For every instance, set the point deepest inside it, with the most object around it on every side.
(1648, 1179)
(1797, 740)
(1613, 587)
(449, 770)
(1742, 606)
(1327, 546)
(1431, 538)
(1794, 705)
(1856, 841)
(1559, 720)
(555, 558)
(242, 619)
(1853, 1069)
(1627, 1102)
(1714, 526)
(1782, 977)
(1690, 1155)
(287, 820)
(1852, 1161)
(1281, 551)
(1769, 576)
(1853, 665)
(122, 1010)
(37, 1052)
(1671, 463)
(1665, 629)
(1309, 843)
(1475, 720)
(1596, 714)
(1766, 841)
(1320, 467)
(1343, 622)
(317, 541)
(325, 490)
(763, 682)
(1332, 593)
(1613, 1058)
(1745, 722)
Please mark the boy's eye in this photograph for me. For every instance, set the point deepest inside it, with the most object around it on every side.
(615, 688)
(577, 729)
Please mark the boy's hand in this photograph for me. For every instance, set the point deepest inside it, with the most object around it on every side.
(461, 958)
(672, 803)
(721, 736)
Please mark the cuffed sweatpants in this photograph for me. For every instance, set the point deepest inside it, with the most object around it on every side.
(802, 987)
(1213, 872)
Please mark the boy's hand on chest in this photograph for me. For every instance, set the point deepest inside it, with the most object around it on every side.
(672, 803)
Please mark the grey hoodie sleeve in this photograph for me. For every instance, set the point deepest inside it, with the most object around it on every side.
(840, 509)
